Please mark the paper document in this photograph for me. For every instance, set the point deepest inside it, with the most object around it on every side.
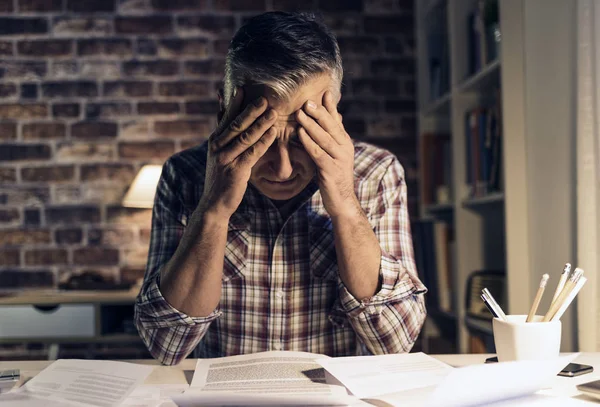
(156, 395)
(370, 376)
(75, 382)
(281, 378)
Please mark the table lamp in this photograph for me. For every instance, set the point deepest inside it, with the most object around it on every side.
(142, 190)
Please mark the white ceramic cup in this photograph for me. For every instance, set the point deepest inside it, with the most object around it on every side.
(516, 339)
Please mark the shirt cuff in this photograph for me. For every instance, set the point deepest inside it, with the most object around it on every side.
(156, 312)
(396, 285)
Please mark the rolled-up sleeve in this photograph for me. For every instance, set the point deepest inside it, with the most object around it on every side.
(391, 320)
(169, 334)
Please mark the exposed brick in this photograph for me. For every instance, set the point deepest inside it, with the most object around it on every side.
(123, 173)
(211, 67)
(144, 25)
(96, 256)
(14, 237)
(75, 26)
(152, 108)
(100, 69)
(340, 5)
(122, 215)
(185, 88)
(380, 6)
(23, 111)
(94, 130)
(355, 127)
(32, 217)
(13, 279)
(8, 90)
(146, 47)
(389, 24)
(409, 126)
(46, 257)
(393, 67)
(358, 107)
(67, 194)
(384, 127)
(20, 26)
(240, 5)
(202, 107)
(45, 48)
(199, 129)
(23, 70)
(114, 46)
(180, 5)
(88, 6)
(134, 6)
(70, 89)
(66, 110)
(132, 274)
(40, 5)
(8, 131)
(64, 69)
(145, 235)
(185, 144)
(127, 88)
(9, 257)
(206, 24)
(155, 68)
(6, 6)
(29, 91)
(44, 131)
(160, 150)
(72, 214)
(6, 48)
(134, 129)
(197, 47)
(293, 5)
(371, 87)
(107, 110)
(19, 152)
(78, 151)
(111, 236)
(400, 106)
(10, 215)
(359, 45)
(57, 173)
(8, 175)
(20, 195)
(68, 235)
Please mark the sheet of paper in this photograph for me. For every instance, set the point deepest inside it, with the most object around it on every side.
(487, 383)
(371, 376)
(85, 382)
(537, 400)
(283, 378)
(156, 395)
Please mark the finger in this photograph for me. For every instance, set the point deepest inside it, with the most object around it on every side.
(330, 104)
(253, 153)
(240, 123)
(320, 136)
(250, 136)
(316, 153)
(321, 115)
(233, 109)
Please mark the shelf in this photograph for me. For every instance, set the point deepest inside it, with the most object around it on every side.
(439, 208)
(484, 201)
(488, 77)
(479, 325)
(440, 106)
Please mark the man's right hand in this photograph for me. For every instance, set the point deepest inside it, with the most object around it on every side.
(234, 148)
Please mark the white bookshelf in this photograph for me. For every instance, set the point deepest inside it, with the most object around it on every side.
(526, 229)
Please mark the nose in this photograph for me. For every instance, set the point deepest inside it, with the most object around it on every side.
(281, 165)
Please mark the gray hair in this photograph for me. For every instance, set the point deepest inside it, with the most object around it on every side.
(282, 51)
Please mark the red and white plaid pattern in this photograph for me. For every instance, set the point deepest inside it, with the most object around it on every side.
(281, 287)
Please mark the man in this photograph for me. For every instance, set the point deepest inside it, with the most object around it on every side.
(280, 232)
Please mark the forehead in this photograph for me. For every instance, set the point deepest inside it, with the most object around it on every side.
(313, 90)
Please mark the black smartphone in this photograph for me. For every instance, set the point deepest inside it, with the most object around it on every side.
(492, 360)
(575, 369)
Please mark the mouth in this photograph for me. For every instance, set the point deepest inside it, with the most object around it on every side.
(282, 183)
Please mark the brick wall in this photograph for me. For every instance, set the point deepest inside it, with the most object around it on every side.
(90, 90)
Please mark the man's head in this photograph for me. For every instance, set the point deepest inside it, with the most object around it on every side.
(288, 59)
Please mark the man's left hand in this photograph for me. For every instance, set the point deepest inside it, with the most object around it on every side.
(323, 135)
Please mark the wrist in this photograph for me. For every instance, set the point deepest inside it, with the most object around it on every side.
(350, 211)
(210, 215)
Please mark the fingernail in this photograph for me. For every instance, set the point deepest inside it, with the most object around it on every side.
(258, 102)
(311, 104)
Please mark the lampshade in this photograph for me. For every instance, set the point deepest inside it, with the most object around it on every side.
(142, 190)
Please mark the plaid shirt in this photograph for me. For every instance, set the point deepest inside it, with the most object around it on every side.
(281, 287)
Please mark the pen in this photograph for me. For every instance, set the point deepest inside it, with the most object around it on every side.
(494, 304)
(569, 299)
(569, 285)
(489, 307)
(562, 281)
(538, 297)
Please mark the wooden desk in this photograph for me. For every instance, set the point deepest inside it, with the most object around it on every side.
(182, 373)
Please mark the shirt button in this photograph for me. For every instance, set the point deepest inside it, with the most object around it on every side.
(279, 294)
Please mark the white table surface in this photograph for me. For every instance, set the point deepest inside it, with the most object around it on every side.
(182, 373)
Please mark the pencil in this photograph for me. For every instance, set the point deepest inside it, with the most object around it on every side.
(569, 299)
(562, 281)
(538, 297)
(569, 285)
